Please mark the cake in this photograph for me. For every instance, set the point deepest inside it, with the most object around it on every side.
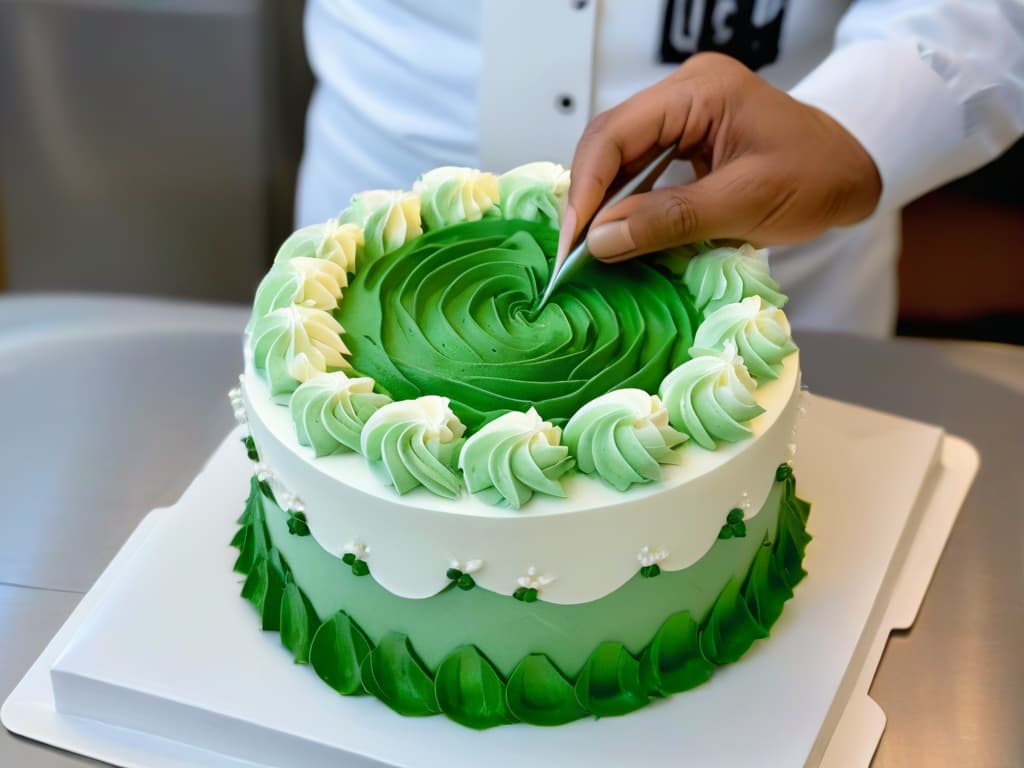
(462, 503)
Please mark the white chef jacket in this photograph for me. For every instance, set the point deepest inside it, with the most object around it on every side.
(932, 89)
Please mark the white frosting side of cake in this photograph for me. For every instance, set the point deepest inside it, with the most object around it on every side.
(584, 547)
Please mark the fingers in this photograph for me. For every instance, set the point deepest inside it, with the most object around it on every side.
(624, 137)
(729, 202)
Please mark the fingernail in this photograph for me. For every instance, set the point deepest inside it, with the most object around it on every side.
(611, 239)
(568, 232)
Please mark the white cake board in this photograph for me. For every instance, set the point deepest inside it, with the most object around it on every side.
(162, 663)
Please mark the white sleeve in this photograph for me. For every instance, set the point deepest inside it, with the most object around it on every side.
(933, 89)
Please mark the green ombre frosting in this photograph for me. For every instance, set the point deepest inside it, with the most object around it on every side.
(624, 437)
(760, 332)
(292, 344)
(388, 219)
(332, 241)
(710, 396)
(725, 275)
(515, 456)
(452, 195)
(417, 443)
(306, 281)
(454, 312)
(330, 410)
(535, 192)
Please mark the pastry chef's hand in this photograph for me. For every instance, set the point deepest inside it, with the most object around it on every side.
(769, 168)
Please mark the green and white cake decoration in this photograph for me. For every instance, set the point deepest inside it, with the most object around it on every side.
(451, 195)
(535, 192)
(330, 410)
(388, 219)
(725, 275)
(292, 344)
(710, 397)
(760, 332)
(515, 456)
(623, 437)
(303, 281)
(416, 443)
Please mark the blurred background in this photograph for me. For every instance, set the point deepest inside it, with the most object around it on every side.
(150, 147)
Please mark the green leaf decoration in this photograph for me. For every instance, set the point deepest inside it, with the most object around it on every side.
(609, 683)
(254, 542)
(650, 571)
(726, 532)
(730, 629)
(270, 610)
(766, 590)
(254, 494)
(469, 690)
(348, 558)
(298, 622)
(672, 662)
(537, 693)
(395, 676)
(791, 541)
(255, 587)
(338, 651)
(783, 472)
(297, 525)
(250, 448)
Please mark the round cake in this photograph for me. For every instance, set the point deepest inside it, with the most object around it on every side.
(467, 503)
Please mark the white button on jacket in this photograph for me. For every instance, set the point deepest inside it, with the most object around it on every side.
(932, 88)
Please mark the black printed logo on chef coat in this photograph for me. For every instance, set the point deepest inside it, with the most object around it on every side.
(747, 30)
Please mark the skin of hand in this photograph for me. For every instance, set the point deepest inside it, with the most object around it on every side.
(770, 170)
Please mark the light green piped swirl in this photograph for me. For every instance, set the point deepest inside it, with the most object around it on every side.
(388, 218)
(330, 410)
(452, 195)
(332, 241)
(513, 457)
(760, 332)
(624, 437)
(417, 443)
(308, 282)
(293, 344)
(709, 398)
(725, 275)
(534, 192)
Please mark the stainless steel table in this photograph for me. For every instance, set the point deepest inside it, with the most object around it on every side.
(952, 687)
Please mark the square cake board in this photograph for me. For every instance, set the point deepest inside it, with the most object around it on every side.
(163, 663)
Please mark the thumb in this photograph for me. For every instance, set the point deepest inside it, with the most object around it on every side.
(728, 202)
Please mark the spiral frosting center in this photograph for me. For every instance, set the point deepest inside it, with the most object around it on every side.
(454, 312)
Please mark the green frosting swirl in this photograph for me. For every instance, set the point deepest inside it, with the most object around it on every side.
(624, 437)
(417, 443)
(292, 344)
(515, 456)
(760, 332)
(725, 275)
(309, 282)
(330, 410)
(332, 241)
(710, 396)
(534, 192)
(451, 195)
(453, 313)
(388, 220)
